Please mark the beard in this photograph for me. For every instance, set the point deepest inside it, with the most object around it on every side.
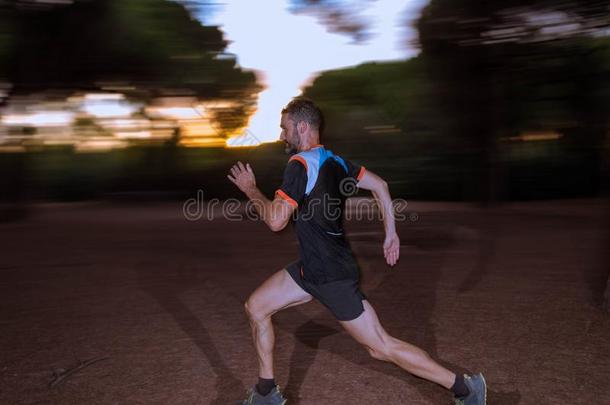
(290, 149)
(292, 146)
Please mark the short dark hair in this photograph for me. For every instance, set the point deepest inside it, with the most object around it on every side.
(303, 109)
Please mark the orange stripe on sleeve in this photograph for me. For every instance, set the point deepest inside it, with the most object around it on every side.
(361, 173)
(300, 159)
(286, 197)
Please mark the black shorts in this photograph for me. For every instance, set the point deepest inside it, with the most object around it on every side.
(342, 297)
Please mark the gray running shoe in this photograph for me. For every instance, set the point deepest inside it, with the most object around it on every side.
(478, 391)
(274, 397)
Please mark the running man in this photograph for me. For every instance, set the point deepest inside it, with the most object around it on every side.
(313, 190)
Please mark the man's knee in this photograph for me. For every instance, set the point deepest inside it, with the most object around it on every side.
(254, 311)
(249, 307)
(392, 350)
(379, 353)
(382, 350)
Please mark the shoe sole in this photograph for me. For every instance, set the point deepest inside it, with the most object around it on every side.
(485, 390)
(283, 403)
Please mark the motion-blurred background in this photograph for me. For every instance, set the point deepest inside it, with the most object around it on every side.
(490, 118)
(449, 100)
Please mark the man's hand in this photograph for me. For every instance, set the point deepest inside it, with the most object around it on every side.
(391, 249)
(276, 213)
(243, 177)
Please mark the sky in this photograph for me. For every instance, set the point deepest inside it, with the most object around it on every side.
(287, 50)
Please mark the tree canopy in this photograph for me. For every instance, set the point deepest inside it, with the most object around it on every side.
(154, 47)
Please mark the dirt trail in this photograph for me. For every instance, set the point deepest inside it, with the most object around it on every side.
(513, 292)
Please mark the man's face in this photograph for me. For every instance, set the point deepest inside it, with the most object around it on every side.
(289, 134)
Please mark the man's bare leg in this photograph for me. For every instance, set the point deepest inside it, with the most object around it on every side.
(278, 292)
(367, 330)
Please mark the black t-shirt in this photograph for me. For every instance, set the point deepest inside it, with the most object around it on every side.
(317, 182)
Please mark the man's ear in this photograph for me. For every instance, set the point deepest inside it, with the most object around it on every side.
(302, 127)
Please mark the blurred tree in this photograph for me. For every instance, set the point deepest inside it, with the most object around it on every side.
(504, 67)
(340, 16)
(384, 115)
(154, 46)
(487, 72)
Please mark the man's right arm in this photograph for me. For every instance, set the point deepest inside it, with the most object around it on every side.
(379, 189)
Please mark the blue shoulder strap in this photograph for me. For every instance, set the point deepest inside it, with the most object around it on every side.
(315, 158)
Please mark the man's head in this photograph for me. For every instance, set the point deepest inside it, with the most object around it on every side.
(301, 124)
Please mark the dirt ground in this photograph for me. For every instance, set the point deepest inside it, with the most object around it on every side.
(512, 291)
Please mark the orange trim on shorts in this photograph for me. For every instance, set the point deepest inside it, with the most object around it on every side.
(317, 145)
(300, 159)
(361, 173)
(286, 197)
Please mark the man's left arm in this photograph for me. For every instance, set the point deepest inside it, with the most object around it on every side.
(379, 189)
(275, 213)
